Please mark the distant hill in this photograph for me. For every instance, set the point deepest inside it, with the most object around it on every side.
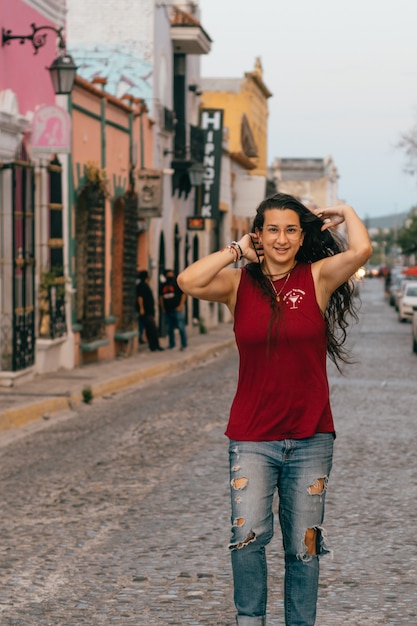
(386, 222)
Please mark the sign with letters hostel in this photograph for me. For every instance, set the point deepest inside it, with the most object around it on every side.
(212, 124)
(149, 193)
(51, 130)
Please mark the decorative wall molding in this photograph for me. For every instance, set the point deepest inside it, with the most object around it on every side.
(12, 125)
(53, 10)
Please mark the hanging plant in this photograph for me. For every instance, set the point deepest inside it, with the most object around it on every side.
(95, 180)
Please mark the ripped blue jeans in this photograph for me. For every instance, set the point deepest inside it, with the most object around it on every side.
(299, 469)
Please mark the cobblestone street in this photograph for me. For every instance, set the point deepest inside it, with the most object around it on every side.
(118, 514)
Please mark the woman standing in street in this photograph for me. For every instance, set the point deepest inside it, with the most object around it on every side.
(290, 305)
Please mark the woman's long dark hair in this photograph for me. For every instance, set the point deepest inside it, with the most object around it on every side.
(317, 244)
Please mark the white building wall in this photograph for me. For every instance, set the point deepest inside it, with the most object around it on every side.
(114, 40)
(106, 21)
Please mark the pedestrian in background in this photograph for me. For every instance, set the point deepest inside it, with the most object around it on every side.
(141, 327)
(172, 301)
(146, 304)
(291, 304)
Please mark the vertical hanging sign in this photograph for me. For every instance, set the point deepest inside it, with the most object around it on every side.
(212, 124)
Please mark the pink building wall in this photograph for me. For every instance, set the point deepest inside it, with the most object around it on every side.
(21, 70)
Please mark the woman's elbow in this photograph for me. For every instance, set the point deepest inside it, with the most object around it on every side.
(367, 253)
(182, 281)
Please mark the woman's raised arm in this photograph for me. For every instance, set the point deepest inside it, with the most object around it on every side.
(210, 278)
(332, 271)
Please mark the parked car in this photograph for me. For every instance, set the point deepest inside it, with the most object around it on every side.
(415, 330)
(399, 292)
(401, 289)
(407, 301)
(394, 288)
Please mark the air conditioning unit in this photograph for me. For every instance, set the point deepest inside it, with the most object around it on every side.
(168, 120)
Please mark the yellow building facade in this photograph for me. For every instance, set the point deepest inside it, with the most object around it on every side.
(245, 105)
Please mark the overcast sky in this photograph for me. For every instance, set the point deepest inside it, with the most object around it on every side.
(344, 82)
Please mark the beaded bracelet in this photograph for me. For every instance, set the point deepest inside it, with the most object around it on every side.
(239, 249)
(236, 250)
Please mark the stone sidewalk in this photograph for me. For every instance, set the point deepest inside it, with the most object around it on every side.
(50, 393)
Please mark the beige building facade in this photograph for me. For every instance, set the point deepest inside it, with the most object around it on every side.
(313, 181)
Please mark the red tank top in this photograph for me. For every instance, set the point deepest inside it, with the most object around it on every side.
(282, 390)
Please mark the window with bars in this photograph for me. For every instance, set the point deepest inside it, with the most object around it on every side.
(52, 283)
(17, 314)
(90, 264)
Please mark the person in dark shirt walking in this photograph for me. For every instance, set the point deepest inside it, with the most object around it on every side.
(146, 305)
(172, 301)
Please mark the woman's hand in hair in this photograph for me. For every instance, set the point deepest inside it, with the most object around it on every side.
(332, 216)
(252, 247)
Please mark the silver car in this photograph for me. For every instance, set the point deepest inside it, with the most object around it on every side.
(407, 301)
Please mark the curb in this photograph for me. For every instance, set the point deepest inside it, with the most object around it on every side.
(19, 416)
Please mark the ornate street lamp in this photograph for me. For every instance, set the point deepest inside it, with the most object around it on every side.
(194, 169)
(62, 69)
(196, 173)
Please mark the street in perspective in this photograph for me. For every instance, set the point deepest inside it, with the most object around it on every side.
(117, 513)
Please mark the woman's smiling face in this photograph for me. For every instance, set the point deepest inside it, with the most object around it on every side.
(281, 235)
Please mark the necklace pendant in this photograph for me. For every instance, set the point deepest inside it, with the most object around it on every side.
(278, 299)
